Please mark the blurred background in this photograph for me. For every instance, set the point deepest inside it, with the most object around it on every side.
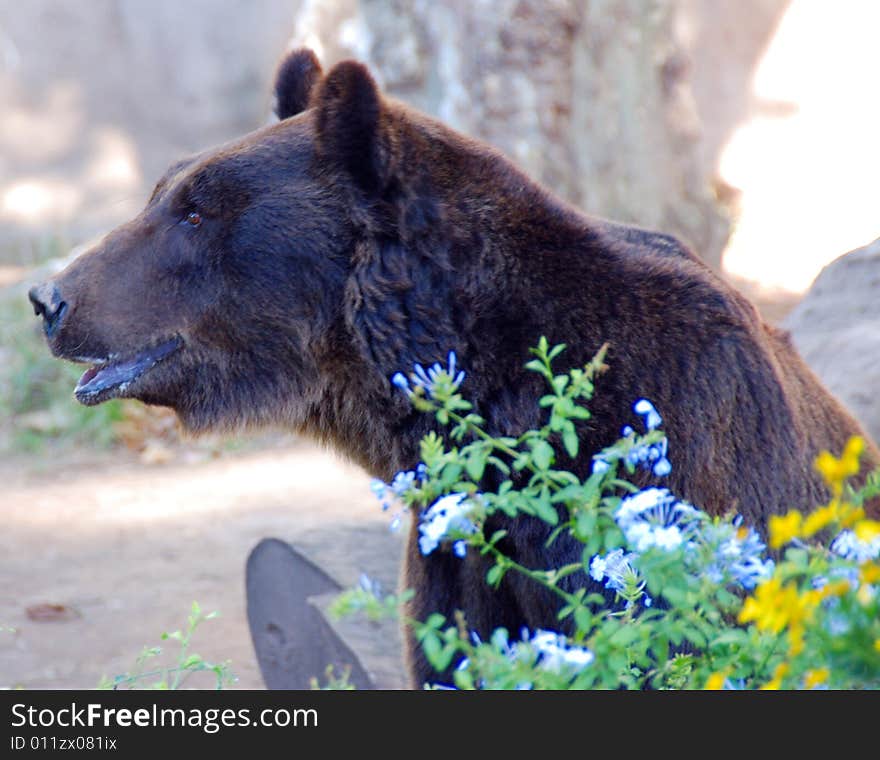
(746, 128)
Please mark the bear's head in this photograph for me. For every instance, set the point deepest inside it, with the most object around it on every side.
(268, 277)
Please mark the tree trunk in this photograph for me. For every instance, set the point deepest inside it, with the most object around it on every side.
(591, 98)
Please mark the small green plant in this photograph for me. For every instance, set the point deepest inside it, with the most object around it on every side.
(368, 599)
(663, 595)
(150, 673)
(332, 681)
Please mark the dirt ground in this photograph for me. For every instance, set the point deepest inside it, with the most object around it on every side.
(125, 547)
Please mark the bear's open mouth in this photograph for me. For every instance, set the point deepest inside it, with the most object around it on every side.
(111, 377)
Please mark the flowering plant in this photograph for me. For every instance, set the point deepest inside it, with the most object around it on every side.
(695, 600)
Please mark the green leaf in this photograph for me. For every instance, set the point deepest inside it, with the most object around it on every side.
(497, 536)
(191, 661)
(475, 464)
(535, 365)
(559, 383)
(585, 525)
(583, 619)
(433, 649)
(499, 464)
(451, 475)
(542, 454)
(677, 597)
(495, 574)
(435, 620)
(544, 508)
(696, 638)
(625, 635)
(570, 440)
(730, 637)
(556, 350)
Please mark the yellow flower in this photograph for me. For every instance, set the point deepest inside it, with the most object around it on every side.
(865, 595)
(776, 682)
(820, 519)
(877, 644)
(850, 515)
(761, 607)
(796, 637)
(811, 598)
(836, 471)
(784, 529)
(715, 682)
(867, 530)
(773, 606)
(817, 677)
(869, 572)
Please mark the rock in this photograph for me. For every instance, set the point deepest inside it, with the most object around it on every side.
(836, 328)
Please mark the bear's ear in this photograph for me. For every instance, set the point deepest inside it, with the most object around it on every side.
(348, 108)
(297, 74)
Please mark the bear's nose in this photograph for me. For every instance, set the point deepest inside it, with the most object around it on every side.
(47, 303)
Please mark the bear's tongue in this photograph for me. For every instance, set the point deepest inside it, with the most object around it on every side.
(103, 381)
(107, 376)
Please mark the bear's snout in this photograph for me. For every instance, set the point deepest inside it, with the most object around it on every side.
(49, 305)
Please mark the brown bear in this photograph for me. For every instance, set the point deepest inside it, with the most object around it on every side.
(285, 277)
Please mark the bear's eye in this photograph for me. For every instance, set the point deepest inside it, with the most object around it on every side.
(193, 219)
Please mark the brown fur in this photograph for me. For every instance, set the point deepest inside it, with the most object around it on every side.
(359, 236)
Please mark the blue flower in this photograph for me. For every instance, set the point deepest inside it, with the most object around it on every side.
(426, 379)
(600, 465)
(849, 546)
(460, 548)
(449, 514)
(615, 567)
(655, 518)
(371, 586)
(380, 491)
(403, 482)
(662, 467)
(651, 456)
(399, 380)
(555, 653)
(732, 554)
(652, 419)
(548, 650)
(734, 684)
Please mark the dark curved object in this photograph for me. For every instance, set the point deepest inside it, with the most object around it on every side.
(292, 640)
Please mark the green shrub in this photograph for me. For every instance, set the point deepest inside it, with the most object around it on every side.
(697, 604)
(154, 670)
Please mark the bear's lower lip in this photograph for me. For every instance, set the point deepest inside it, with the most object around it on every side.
(110, 379)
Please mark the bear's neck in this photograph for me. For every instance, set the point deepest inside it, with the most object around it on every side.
(481, 288)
